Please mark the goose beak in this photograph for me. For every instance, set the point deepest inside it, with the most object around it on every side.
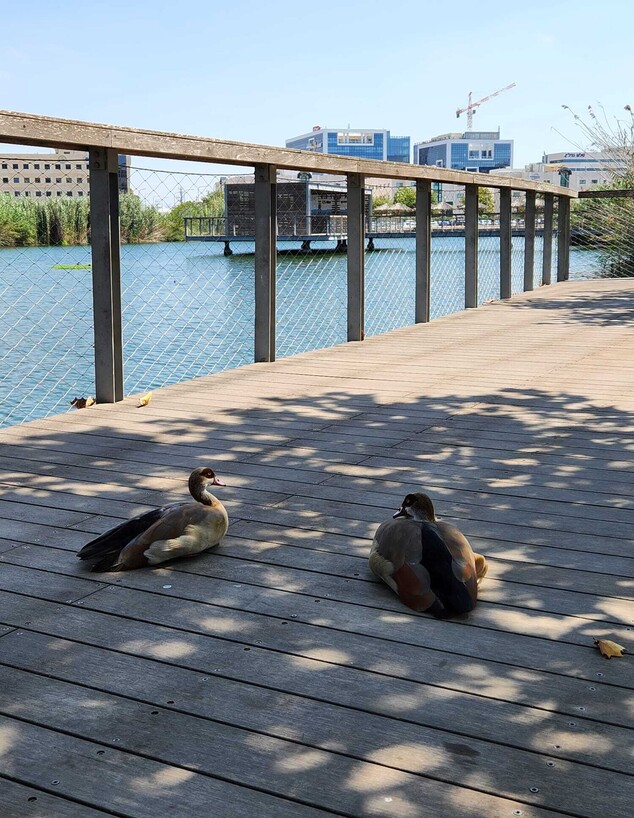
(217, 482)
(400, 513)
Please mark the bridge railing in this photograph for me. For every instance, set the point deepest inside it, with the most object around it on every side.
(508, 262)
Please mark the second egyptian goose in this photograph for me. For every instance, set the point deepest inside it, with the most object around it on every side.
(177, 530)
(428, 563)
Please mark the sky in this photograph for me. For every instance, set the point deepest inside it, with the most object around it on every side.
(269, 70)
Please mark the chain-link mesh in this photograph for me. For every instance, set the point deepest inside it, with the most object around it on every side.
(311, 262)
(390, 263)
(602, 237)
(518, 212)
(46, 354)
(187, 268)
(187, 307)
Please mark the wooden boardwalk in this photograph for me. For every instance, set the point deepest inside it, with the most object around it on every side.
(275, 676)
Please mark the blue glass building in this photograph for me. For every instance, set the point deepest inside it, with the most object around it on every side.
(477, 151)
(363, 144)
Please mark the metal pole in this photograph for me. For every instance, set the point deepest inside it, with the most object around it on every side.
(106, 273)
(265, 262)
(423, 250)
(356, 257)
(529, 241)
(547, 258)
(506, 241)
(563, 238)
(471, 247)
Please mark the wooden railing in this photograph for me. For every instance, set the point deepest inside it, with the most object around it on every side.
(105, 143)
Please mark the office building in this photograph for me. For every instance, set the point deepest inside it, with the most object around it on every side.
(579, 170)
(476, 151)
(52, 175)
(361, 143)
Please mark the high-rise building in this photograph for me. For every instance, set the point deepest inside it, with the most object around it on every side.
(477, 151)
(362, 143)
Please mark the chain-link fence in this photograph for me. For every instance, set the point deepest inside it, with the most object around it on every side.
(602, 235)
(187, 270)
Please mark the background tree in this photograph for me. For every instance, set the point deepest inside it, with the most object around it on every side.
(486, 202)
(406, 196)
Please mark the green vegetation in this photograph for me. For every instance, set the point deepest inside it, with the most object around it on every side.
(66, 222)
(486, 202)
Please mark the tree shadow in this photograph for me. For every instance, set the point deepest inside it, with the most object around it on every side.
(283, 676)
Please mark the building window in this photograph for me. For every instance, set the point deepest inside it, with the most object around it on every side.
(27, 180)
(5, 166)
(17, 193)
(474, 153)
(79, 180)
(15, 167)
(59, 193)
(69, 192)
(47, 167)
(5, 180)
(26, 193)
(47, 179)
(38, 192)
(16, 181)
(59, 180)
(48, 193)
(77, 167)
(68, 167)
(36, 166)
(349, 138)
(80, 193)
(595, 181)
(37, 180)
(58, 167)
(583, 182)
(25, 167)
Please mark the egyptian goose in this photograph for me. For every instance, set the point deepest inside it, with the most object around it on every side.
(428, 563)
(177, 530)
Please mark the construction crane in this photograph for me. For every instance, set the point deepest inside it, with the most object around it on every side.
(471, 106)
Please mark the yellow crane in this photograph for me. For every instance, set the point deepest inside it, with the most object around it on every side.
(471, 106)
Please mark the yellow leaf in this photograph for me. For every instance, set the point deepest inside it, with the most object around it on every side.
(145, 399)
(609, 648)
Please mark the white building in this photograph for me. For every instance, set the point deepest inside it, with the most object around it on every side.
(53, 174)
(579, 170)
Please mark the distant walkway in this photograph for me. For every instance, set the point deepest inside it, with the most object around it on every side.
(275, 676)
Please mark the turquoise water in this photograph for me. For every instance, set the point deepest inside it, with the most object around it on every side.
(188, 310)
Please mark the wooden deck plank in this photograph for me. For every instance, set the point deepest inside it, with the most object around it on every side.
(19, 800)
(330, 697)
(351, 751)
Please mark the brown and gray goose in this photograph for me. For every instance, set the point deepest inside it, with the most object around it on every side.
(428, 563)
(177, 530)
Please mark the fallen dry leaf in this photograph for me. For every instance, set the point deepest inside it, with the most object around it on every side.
(144, 399)
(82, 403)
(609, 648)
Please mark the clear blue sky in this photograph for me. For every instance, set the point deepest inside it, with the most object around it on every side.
(268, 70)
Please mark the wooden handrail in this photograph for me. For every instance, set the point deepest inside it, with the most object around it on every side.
(31, 129)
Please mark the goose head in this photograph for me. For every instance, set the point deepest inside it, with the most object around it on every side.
(199, 479)
(417, 507)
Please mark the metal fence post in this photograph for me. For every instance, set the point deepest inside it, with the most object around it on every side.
(471, 247)
(423, 250)
(529, 241)
(106, 273)
(265, 261)
(547, 257)
(356, 257)
(505, 243)
(563, 238)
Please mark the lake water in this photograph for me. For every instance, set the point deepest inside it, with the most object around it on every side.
(188, 310)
